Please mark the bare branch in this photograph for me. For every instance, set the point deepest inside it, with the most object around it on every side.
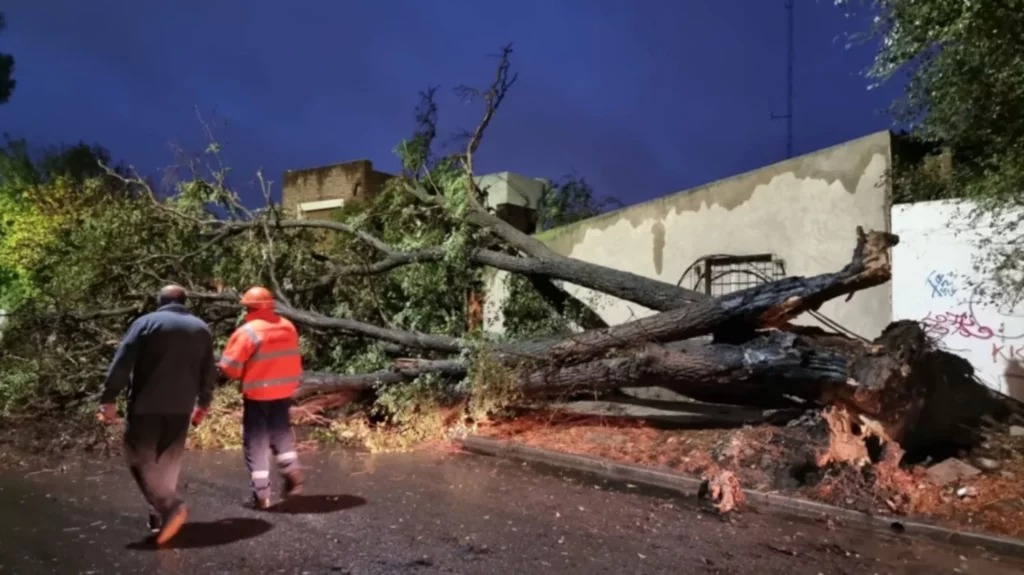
(650, 293)
(322, 383)
(269, 256)
(493, 97)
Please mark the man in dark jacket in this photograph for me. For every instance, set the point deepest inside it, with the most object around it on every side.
(166, 363)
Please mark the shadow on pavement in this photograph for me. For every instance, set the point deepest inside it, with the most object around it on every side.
(316, 504)
(208, 534)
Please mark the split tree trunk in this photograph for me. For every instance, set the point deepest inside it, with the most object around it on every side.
(627, 354)
(734, 316)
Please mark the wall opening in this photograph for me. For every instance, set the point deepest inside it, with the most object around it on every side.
(720, 274)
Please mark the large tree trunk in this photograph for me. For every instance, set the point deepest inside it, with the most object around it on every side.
(761, 372)
(897, 391)
(583, 359)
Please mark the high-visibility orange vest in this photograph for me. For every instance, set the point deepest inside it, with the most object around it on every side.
(264, 355)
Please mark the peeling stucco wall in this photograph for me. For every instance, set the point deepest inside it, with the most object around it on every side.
(804, 210)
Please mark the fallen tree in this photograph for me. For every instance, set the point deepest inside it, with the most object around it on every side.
(896, 392)
(890, 391)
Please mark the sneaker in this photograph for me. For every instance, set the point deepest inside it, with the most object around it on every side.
(292, 483)
(154, 523)
(260, 503)
(172, 524)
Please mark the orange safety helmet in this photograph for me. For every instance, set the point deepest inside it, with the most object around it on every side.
(258, 298)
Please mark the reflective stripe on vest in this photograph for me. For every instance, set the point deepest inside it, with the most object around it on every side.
(260, 356)
(253, 337)
(269, 382)
(231, 363)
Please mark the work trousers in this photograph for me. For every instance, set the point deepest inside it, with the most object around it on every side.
(154, 445)
(266, 429)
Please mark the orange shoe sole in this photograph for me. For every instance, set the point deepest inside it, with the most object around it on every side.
(172, 526)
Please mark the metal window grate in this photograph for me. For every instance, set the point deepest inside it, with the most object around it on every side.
(721, 274)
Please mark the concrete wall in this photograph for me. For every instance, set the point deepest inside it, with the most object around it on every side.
(514, 198)
(348, 181)
(936, 280)
(804, 211)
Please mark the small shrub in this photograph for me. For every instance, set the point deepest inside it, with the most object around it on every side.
(493, 389)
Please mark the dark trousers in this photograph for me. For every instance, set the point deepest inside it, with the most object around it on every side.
(266, 429)
(154, 445)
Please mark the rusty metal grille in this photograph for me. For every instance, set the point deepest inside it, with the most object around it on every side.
(721, 274)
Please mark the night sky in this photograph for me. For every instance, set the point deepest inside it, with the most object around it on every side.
(641, 97)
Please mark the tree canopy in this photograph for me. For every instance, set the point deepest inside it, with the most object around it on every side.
(83, 246)
(962, 64)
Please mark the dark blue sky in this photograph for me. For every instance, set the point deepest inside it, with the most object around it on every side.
(641, 97)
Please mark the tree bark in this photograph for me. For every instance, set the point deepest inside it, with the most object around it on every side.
(759, 373)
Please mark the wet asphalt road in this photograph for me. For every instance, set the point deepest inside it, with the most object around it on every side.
(424, 513)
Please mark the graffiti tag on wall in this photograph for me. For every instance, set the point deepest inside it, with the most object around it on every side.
(1007, 353)
(937, 281)
(940, 325)
(942, 284)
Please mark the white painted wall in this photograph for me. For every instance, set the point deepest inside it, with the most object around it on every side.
(804, 211)
(935, 281)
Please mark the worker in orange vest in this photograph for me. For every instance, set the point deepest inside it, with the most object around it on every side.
(264, 355)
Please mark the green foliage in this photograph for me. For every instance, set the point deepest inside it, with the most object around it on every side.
(402, 405)
(18, 383)
(493, 389)
(569, 201)
(963, 64)
(80, 247)
(83, 250)
(526, 315)
(7, 82)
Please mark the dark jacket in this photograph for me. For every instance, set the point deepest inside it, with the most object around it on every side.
(165, 361)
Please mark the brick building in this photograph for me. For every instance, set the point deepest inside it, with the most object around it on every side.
(315, 193)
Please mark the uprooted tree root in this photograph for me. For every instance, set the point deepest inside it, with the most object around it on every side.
(723, 490)
(836, 455)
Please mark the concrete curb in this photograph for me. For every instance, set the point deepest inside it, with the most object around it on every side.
(688, 486)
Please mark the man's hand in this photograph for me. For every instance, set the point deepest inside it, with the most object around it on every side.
(199, 414)
(108, 413)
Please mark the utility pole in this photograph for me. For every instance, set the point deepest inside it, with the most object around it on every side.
(788, 116)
